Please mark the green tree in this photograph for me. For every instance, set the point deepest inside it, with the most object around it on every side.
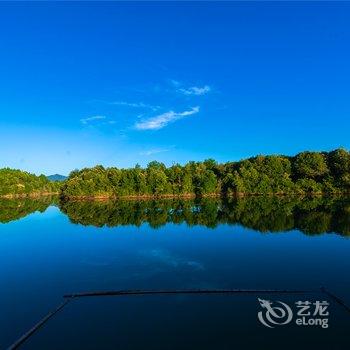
(311, 165)
(339, 164)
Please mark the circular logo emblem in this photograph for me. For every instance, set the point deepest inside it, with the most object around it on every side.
(273, 315)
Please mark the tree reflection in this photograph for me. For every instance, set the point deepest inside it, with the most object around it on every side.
(311, 216)
(14, 209)
(264, 214)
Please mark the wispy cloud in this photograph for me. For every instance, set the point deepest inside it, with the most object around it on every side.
(154, 151)
(91, 119)
(176, 83)
(162, 120)
(195, 90)
(135, 105)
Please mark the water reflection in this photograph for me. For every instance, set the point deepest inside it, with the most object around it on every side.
(15, 209)
(264, 214)
(311, 216)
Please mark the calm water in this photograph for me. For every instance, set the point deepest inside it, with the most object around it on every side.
(48, 249)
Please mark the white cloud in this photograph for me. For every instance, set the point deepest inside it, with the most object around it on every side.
(162, 120)
(153, 151)
(90, 119)
(135, 105)
(195, 90)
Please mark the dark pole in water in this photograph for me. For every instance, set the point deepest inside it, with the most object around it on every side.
(70, 297)
(183, 291)
(337, 299)
(25, 336)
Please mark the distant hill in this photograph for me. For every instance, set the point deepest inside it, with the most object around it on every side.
(56, 177)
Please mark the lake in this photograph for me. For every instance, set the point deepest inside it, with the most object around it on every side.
(49, 249)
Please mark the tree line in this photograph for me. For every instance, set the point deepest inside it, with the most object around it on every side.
(21, 183)
(305, 173)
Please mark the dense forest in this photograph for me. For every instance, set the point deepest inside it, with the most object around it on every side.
(305, 173)
(21, 183)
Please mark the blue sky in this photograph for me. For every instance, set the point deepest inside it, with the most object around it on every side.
(125, 83)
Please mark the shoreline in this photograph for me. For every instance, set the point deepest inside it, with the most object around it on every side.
(168, 196)
(29, 195)
(194, 196)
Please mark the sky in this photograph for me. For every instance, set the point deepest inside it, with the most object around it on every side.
(124, 83)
